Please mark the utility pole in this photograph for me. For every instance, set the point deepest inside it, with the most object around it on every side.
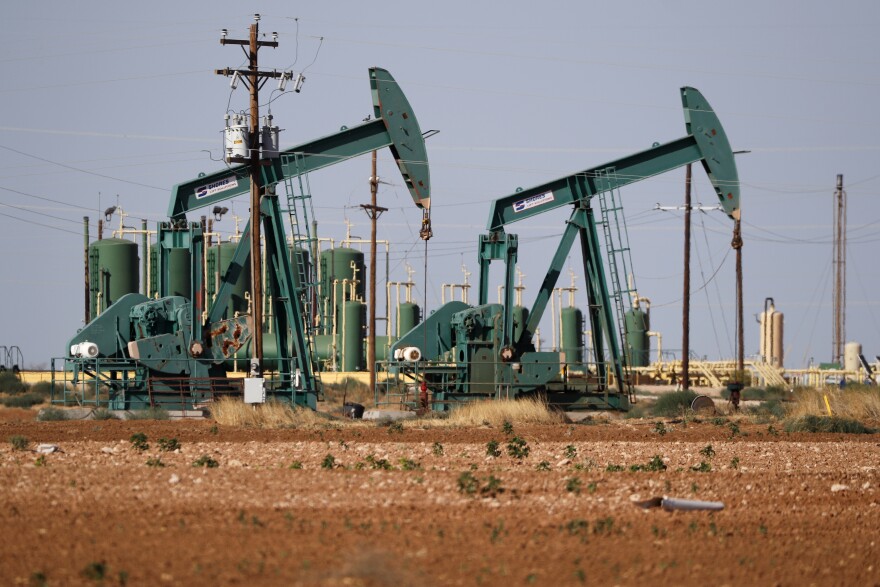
(737, 245)
(686, 302)
(839, 272)
(253, 78)
(373, 211)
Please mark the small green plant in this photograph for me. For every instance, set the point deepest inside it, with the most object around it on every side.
(772, 431)
(518, 448)
(378, 463)
(395, 428)
(155, 462)
(19, 442)
(38, 579)
(655, 464)
(570, 452)
(603, 525)
(471, 485)
(329, 462)
(612, 468)
(409, 465)
(707, 451)
(168, 444)
(703, 467)
(591, 487)
(543, 466)
(437, 449)
(734, 463)
(573, 485)
(660, 428)
(762, 529)
(468, 483)
(507, 428)
(719, 421)
(95, 571)
(206, 461)
(41, 461)
(734, 429)
(139, 441)
(214, 429)
(492, 449)
(296, 465)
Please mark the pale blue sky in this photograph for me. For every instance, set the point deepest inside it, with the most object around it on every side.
(522, 93)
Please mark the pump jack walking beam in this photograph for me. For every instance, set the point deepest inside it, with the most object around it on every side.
(395, 126)
(706, 142)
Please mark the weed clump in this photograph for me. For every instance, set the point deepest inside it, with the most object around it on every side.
(673, 404)
(518, 448)
(139, 442)
(25, 400)
(206, 461)
(471, 485)
(832, 424)
(52, 415)
(168, 444)
(19, 442)
(11, 384)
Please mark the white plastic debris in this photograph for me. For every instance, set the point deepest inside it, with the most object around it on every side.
(839, 487)
(47, 449)
(174, 479)
(677, 504)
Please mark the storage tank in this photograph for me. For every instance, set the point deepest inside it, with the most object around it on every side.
(219, 258)
(176, 277)
(336, 266)
(771, 343)
(851, 352)
(409, 315)
(113, 272)
(571, 334)
(352, 328)
(638, 343)
(178, 274)
(298, 254)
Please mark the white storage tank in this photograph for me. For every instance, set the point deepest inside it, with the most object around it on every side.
(851, 352)
(771, 344)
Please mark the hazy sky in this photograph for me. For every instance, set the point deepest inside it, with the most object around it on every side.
(106, 103)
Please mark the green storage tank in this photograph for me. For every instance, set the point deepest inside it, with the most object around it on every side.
(336, 265)
(242, 360)
(638, 343)
(219, 258)
(409, 315)
(352, 330)
(113, 272)
(572, 335)
(383, 343)
(177, 275)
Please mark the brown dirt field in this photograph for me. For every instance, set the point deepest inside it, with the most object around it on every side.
(96, 509)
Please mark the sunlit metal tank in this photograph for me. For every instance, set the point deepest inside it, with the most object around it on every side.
(113, 272)
(771, 328)
(638, 343)
(572, 334)
(408, 317)
(219, 258)
(851, 352)
(352, 328)
(336, 265)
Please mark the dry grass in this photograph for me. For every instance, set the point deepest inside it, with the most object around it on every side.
(272, 414)
(855, 402)
(496, 412)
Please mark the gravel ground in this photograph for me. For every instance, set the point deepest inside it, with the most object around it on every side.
(430, 507)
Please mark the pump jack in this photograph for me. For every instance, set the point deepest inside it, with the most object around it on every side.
(175, 346)
(471, 353)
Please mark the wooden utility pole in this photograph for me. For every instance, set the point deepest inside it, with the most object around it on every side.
(839, 272)
(373, 211)
(737, 245)
(253, 78)
(686, 301)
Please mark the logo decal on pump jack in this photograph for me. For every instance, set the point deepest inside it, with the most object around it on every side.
(218, 186)
(532, 201)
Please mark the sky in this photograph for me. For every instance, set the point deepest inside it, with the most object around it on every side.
(114, 103)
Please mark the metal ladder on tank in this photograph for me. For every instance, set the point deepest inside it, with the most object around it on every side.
(300, 211)
(619, 259)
